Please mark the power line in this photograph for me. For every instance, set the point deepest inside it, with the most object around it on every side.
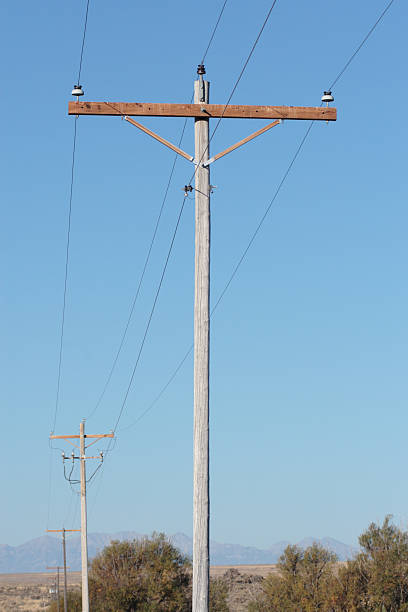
(150, 315)
(213, 32)
(67, 252)
(178, 220)
(235, 85)
(143, 272)
(371, 30)
(64, 301)
(83, 42)
(234, 272)
(257, 229)
(124, 334)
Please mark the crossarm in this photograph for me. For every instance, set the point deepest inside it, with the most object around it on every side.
(147, 109)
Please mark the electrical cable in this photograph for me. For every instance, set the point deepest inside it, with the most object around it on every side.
(124, 334)
(213, 32)
(122, 341)
(235, 87)
(150, 315)
(257, 229)
(83, 43)
(64, 301)
(234, 272)
(347, 64)
(67, 252)
(181, 210)
(225, 107)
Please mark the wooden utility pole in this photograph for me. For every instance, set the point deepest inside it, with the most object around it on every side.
(84, 533)
(57, 567)
(201, 111)
(201, 502)
(64, 555)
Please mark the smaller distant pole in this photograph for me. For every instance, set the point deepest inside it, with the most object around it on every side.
(57, 567)
(65, 570)
(82, 459)
(64, 554)
(84, 535)
(58, 607)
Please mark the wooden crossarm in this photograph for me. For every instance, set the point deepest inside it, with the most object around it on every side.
(60, 530)
(109, 435)
(147, 109)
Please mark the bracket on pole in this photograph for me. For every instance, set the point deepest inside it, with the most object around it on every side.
(242, 142)
(166, 143)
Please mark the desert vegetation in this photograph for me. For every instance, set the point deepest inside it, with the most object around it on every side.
(311, 580)
(151, 575)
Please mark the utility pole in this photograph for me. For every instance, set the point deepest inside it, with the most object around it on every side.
(201, 111)
(57, 567)
(84, 533)
(64, 555)
(201, 501)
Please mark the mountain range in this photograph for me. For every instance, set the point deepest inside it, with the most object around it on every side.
(35, 555)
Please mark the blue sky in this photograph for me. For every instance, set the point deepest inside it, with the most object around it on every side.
(308, 346)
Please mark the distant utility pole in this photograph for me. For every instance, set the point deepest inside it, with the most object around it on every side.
(202, 112)
(57, 567)
(64, 555)
(82, 458)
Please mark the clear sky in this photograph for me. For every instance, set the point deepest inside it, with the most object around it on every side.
(309, 345)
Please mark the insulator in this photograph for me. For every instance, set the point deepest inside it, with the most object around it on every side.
(77, 91)
(327, 97)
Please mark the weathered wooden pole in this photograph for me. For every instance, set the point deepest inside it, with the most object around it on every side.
(201, 354)
(64, 555)
(84, 534)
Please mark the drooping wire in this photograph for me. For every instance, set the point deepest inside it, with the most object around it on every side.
(64, 301)
(234, 88)
(61, 343)
(147, 259)
(83, 42)
(225, 107)
(174, 234)
(213, 32)
(257, 229)
(371, 30)
(150, 315)
(231, 278)
(146, 262)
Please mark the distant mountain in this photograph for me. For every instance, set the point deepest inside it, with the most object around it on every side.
(35, 555)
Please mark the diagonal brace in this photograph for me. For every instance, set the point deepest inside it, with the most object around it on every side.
(242, 142)
(160, 139)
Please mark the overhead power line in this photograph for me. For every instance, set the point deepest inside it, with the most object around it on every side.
(64, 301)
(149, 251)
(235, 85)
(213, 32)
(83, 42)
(146, 262)
(366, 37)
(150, 315)
(66, 267)
(257, 229)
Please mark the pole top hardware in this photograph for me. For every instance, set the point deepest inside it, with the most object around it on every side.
(77, 91)
(327, 97)
(187, 189)
(201, 69)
